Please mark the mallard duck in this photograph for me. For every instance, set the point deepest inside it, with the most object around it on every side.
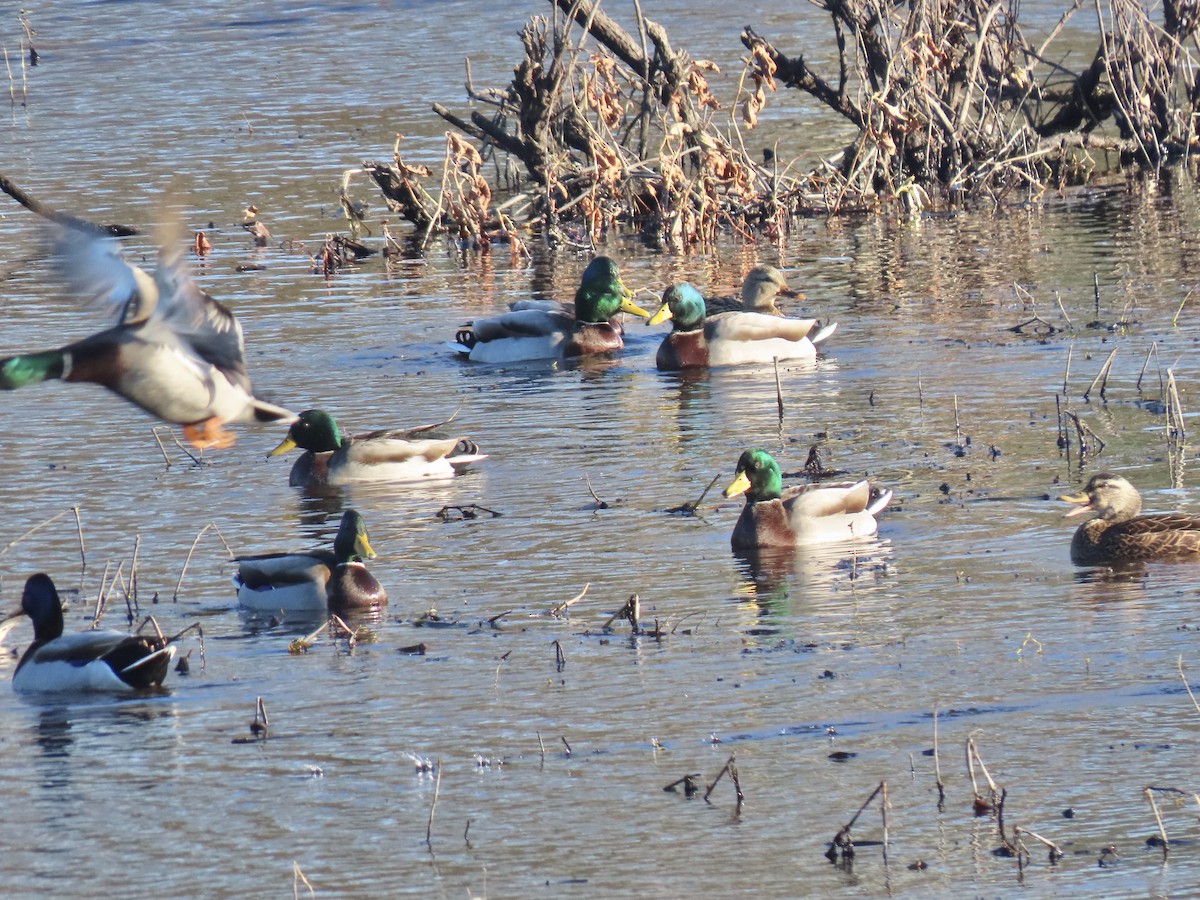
(729, 338)
(760, 287)
(331, 458)
(314, 579)
(808, 514)
(1118, 534)
(175, 351)
(96, 660)
(539, 331)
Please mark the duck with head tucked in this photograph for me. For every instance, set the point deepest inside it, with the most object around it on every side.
(807, 514)
(1118, 534)
(314, 580)
(760, 287)
(175, 351)
(546, 332)
(729, 338)
(94, 660)
(334, 458)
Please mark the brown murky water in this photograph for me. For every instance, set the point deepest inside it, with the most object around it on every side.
(966, 602)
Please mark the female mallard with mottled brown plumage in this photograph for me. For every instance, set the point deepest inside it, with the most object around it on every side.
(1118, 534)
(808, 514)
(314, 579)
(760, 287)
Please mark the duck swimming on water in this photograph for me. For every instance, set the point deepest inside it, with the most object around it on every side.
(95, 660)
(1119, 534)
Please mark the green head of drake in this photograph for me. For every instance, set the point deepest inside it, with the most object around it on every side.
(352, 543)
(757, 477)
(683, 305)
(315, 430)
(18, 371)
(602, 294)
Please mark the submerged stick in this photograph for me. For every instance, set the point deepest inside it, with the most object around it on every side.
(186, 562)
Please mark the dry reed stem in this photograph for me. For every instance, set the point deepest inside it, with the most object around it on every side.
(36, 528)
(437, 787)
(186, 562)
(1149, 795)
(1187, 687)
(1101, 376)
(298, 879)
(937, 766)
(1056, 852)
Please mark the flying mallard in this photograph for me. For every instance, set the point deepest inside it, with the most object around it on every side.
(543, 332)
(175, 351)
(315, 579)
(760, 287)
(808, 514)
(729, 338)
(95, 660)
(333, 458)
(1118, 534)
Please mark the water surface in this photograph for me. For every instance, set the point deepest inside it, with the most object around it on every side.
(966, 602)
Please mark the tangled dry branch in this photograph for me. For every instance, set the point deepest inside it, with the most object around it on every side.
(949, 100)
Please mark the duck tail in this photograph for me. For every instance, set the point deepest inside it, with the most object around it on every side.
(18, 371)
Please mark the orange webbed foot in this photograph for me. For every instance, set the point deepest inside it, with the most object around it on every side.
(209, 435)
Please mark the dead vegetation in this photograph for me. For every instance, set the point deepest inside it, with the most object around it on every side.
(948, 101)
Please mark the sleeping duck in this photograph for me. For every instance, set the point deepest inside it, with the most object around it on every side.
(175, 351)
(1118, 534)
(94, 660)
(807, 514)
(729, 338)
(760, 287)
(545, 331)
(336, 459)
(314, 580)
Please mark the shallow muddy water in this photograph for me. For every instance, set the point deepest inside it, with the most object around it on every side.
(966, 602)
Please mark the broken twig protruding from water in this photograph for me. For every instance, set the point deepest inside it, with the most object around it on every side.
(689, 508)
(729, 768)
(557, 611)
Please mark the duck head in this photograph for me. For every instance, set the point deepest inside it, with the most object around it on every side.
(602, 294)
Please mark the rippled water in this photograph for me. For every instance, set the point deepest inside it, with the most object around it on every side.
(967, 601)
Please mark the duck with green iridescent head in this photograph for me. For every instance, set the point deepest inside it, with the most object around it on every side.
(332, 457)
(175, 351)
(730, 338)
(802, 515)
(545, 332)
(314, 580)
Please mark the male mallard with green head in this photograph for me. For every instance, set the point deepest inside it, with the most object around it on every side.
(549, 333)
(729, 338)
(332, 457)
(175, 351)
(807, 514)
(314, 579)
(1118, 534)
